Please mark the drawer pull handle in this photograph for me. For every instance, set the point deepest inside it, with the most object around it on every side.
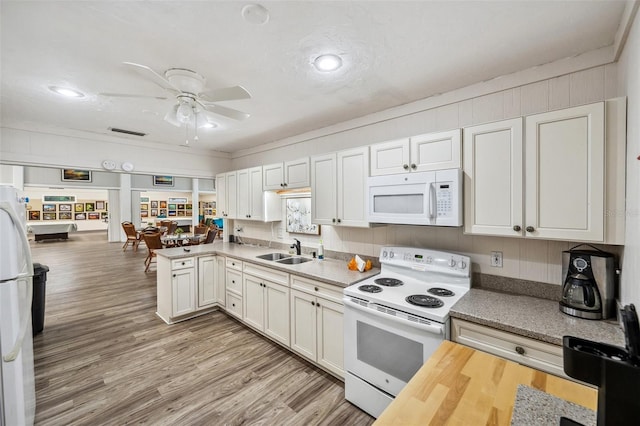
(530, 229)
(517, 228)
(313, 304)
(520, 350)
(318, 305)
(315, 288)
(174, 275)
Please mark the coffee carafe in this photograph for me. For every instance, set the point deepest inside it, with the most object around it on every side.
(589, 283)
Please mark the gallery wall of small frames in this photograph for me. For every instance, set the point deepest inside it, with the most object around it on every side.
(79, 210)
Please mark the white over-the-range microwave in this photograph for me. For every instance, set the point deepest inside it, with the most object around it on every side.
(422, 198)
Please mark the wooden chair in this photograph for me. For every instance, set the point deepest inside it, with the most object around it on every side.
(211, 235)
(133, 237)
(154, 242)
(171, 229)
(166, 224)
(200, 229)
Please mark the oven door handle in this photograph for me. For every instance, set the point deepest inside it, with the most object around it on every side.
(435, 329)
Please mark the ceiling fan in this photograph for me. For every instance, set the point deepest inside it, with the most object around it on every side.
(195, 104)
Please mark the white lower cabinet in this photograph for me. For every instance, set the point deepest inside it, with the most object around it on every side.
(317, 323)
(233, 281)
(532, 353)
(186, 287)
(265, 303)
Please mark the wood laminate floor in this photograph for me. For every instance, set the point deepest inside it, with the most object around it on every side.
(104, 357)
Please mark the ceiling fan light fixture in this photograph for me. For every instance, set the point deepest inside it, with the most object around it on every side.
(65, 91)
(184, 113)
(328, 62)
(209, 125)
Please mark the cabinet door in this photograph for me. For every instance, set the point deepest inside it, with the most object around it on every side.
(220, 280)
(296, 173)
(303, 324)
(221, 195)
(493, 179)
(330, 335)
(232, 195)
(389, 158)
(184, 291)
(564, 182)
(353, 169)
(207, 274)
(256, 207)
(436, 151)
(253, 302)
(276, 322)
(323, 189)
(272, 177)
(242, 195)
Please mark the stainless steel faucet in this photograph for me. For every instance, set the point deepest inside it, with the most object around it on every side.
(297, 246)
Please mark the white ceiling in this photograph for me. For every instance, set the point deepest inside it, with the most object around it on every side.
(394, 52)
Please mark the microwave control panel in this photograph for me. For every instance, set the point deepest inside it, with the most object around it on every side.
(444, 199)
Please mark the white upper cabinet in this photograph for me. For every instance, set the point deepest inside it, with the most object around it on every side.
(288, 175)
(564, 164)
(221, 195)
(232, 195)
(249, 196)
(493, 192)
(339, 188)
(547, 185)
(432, 151)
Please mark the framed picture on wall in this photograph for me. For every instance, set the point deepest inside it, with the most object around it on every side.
(93, 215)
(75, 175)
(80, 216)
(48, 216)
(144, 213)
(188, 206)
(154, 204)
(154, 212)
(162, 213)
(172, 206)
(79, 207)
(172, 212)
(299, 216)
(104, 215)
(99, 205)
(48, 208)
(162, 180)
(64, 207)
(89, 207)
(65, 215)
(181, 213)
(144, 206)
(180, 206)
(163, 204)
(34, 215)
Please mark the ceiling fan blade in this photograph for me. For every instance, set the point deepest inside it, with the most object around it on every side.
(226, 112)
(124, 95)
(147, 72)
(225, 94)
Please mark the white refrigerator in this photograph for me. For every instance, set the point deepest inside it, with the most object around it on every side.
(17, 382)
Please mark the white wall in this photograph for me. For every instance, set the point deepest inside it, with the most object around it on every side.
(526, 259)
(75, 151)
(629, 84)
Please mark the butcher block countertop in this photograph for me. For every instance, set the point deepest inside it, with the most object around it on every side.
(462, 386)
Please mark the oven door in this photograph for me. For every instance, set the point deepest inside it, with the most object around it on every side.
(385, 350)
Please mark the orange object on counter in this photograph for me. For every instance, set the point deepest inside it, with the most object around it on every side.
(352, 264)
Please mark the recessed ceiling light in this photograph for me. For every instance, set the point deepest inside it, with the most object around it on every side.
(328, 62)
(64, 91)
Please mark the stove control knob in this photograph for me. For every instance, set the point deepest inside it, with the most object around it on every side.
(384, 253)
(429, 259)
(391, 255)
(462, 265)
(452, 263)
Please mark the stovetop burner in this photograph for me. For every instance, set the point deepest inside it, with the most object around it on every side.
(425, 301)
(370, 288)
(443, 292)
(388, 282)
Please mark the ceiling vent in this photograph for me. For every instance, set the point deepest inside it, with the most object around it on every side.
(127, 132)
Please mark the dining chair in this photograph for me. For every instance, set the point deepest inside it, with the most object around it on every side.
(166, 224)
(133, 237)
(153, 242)
(211, 235)
(200, 229)
(173, 225)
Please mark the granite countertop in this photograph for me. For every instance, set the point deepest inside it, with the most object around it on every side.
(534, 407)
(330, 271)
(532, 317)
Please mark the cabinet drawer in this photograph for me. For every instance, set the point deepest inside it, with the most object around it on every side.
(234, 304)
(234, 282)
(182, 263)
(234, 264)
(532, 353)
(267, 273)
(317, 288)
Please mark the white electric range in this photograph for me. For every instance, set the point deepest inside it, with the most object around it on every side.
(394, 321)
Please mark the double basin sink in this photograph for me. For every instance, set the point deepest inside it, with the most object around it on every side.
(285, 259)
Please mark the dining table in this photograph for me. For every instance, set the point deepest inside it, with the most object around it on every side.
(185, 238)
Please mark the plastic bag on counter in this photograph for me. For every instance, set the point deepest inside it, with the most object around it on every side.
(357, 264)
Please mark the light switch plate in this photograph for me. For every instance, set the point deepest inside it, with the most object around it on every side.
(496, 259)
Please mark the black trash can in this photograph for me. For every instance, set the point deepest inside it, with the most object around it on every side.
(39, 293)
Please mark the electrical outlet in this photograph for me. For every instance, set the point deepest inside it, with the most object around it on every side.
(496, 259)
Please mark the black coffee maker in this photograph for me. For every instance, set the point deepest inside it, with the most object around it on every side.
(589, 284)
(615, 370)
